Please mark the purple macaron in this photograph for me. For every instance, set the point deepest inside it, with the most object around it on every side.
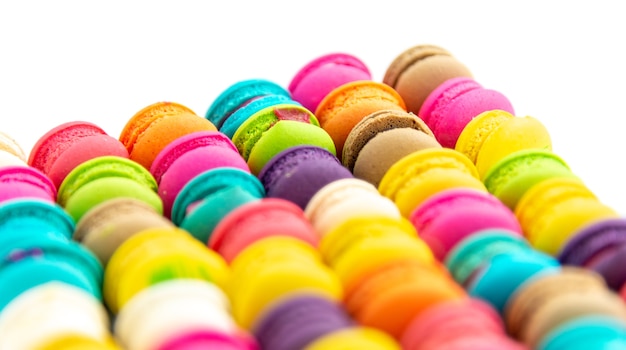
(592, 240)
(299, 319)
(298, 172)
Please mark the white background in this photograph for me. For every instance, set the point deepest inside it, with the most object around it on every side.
(563, 62)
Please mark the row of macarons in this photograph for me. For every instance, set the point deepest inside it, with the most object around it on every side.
(409, 206)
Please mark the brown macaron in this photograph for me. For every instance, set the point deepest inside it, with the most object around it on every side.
(550, 300)
(382, 138)
(417, 71)
(106, 226)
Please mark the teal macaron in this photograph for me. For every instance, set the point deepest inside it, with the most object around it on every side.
(585, 333)
(24, 216)
(208, 183)
(239, 94)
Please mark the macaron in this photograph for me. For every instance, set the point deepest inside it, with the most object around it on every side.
(103, 178)
(79, 342)
(238, 95)
(344, 106)
(156, 255)
(187, 157)
(497, 279)
(10, 159)
(151, 129)
(69, 144)
(514, 174)
(209, 339)
(469, 321)
(318, 77)
(609, 267)
(470, 253)
(272, 268)
(421, 174)
(37, 261)
(357, 337)
(494, 134)
(343, 199)
(170, 309)
(241, 114)
(298, 319)
(241, 226)
(554, 209)
(189, 200)
(525, 304)
(23, 181)
(361, 245)
(454, 103)
(41, 314)
(382, 138)
(592, 241)
(298, 172)
(107, 225)
(391, 296)
(9, 145)
(588, 332)
(419, 70)
(445, 218)
(23, 216)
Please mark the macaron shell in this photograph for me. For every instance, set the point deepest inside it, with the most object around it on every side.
(320, 76)
(586, 332)
(593, 240)
(283, 135)
(514, 174)
(27, 180)
(56, 141)
(82, 150)
(238, 117)
(164, 130)
(141, 120)
(512, 135)
(478, 130)
(10, 159)
(358, 337)
(347, 104)
(417, 71)
(22, 214)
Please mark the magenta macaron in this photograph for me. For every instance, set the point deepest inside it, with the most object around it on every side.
(449, 107)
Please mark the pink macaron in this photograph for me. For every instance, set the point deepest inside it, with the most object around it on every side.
(320, 76)
(449, 107)
(23, 181)
(67, 145)
(256, 220)
(188, 156)
(447, 217)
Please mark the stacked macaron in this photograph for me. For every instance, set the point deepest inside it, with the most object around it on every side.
(152, 128)
(69, 144)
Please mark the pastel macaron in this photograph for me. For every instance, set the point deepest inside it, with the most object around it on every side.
(343, 107)
(298, 172)
(356, 337)
(321, 75)
(274, 129)
(238, 95)
(299, 319)
(188, 156)
(494, 134)
(382, 138)
(103, 178)
(199, 207)
(454, 103)
(272, 268)
(240, 227)
(554, 209)
(107, 225)
(25, 218)
(546, 302)
(343, 199)
(42, 314)
(587, 332)
(419, 70)
(69, 144)
(449, 216)
(23, 181)
(513, 175)
(421, 174)
(171, 309)
(152, 128)
(156, 255)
